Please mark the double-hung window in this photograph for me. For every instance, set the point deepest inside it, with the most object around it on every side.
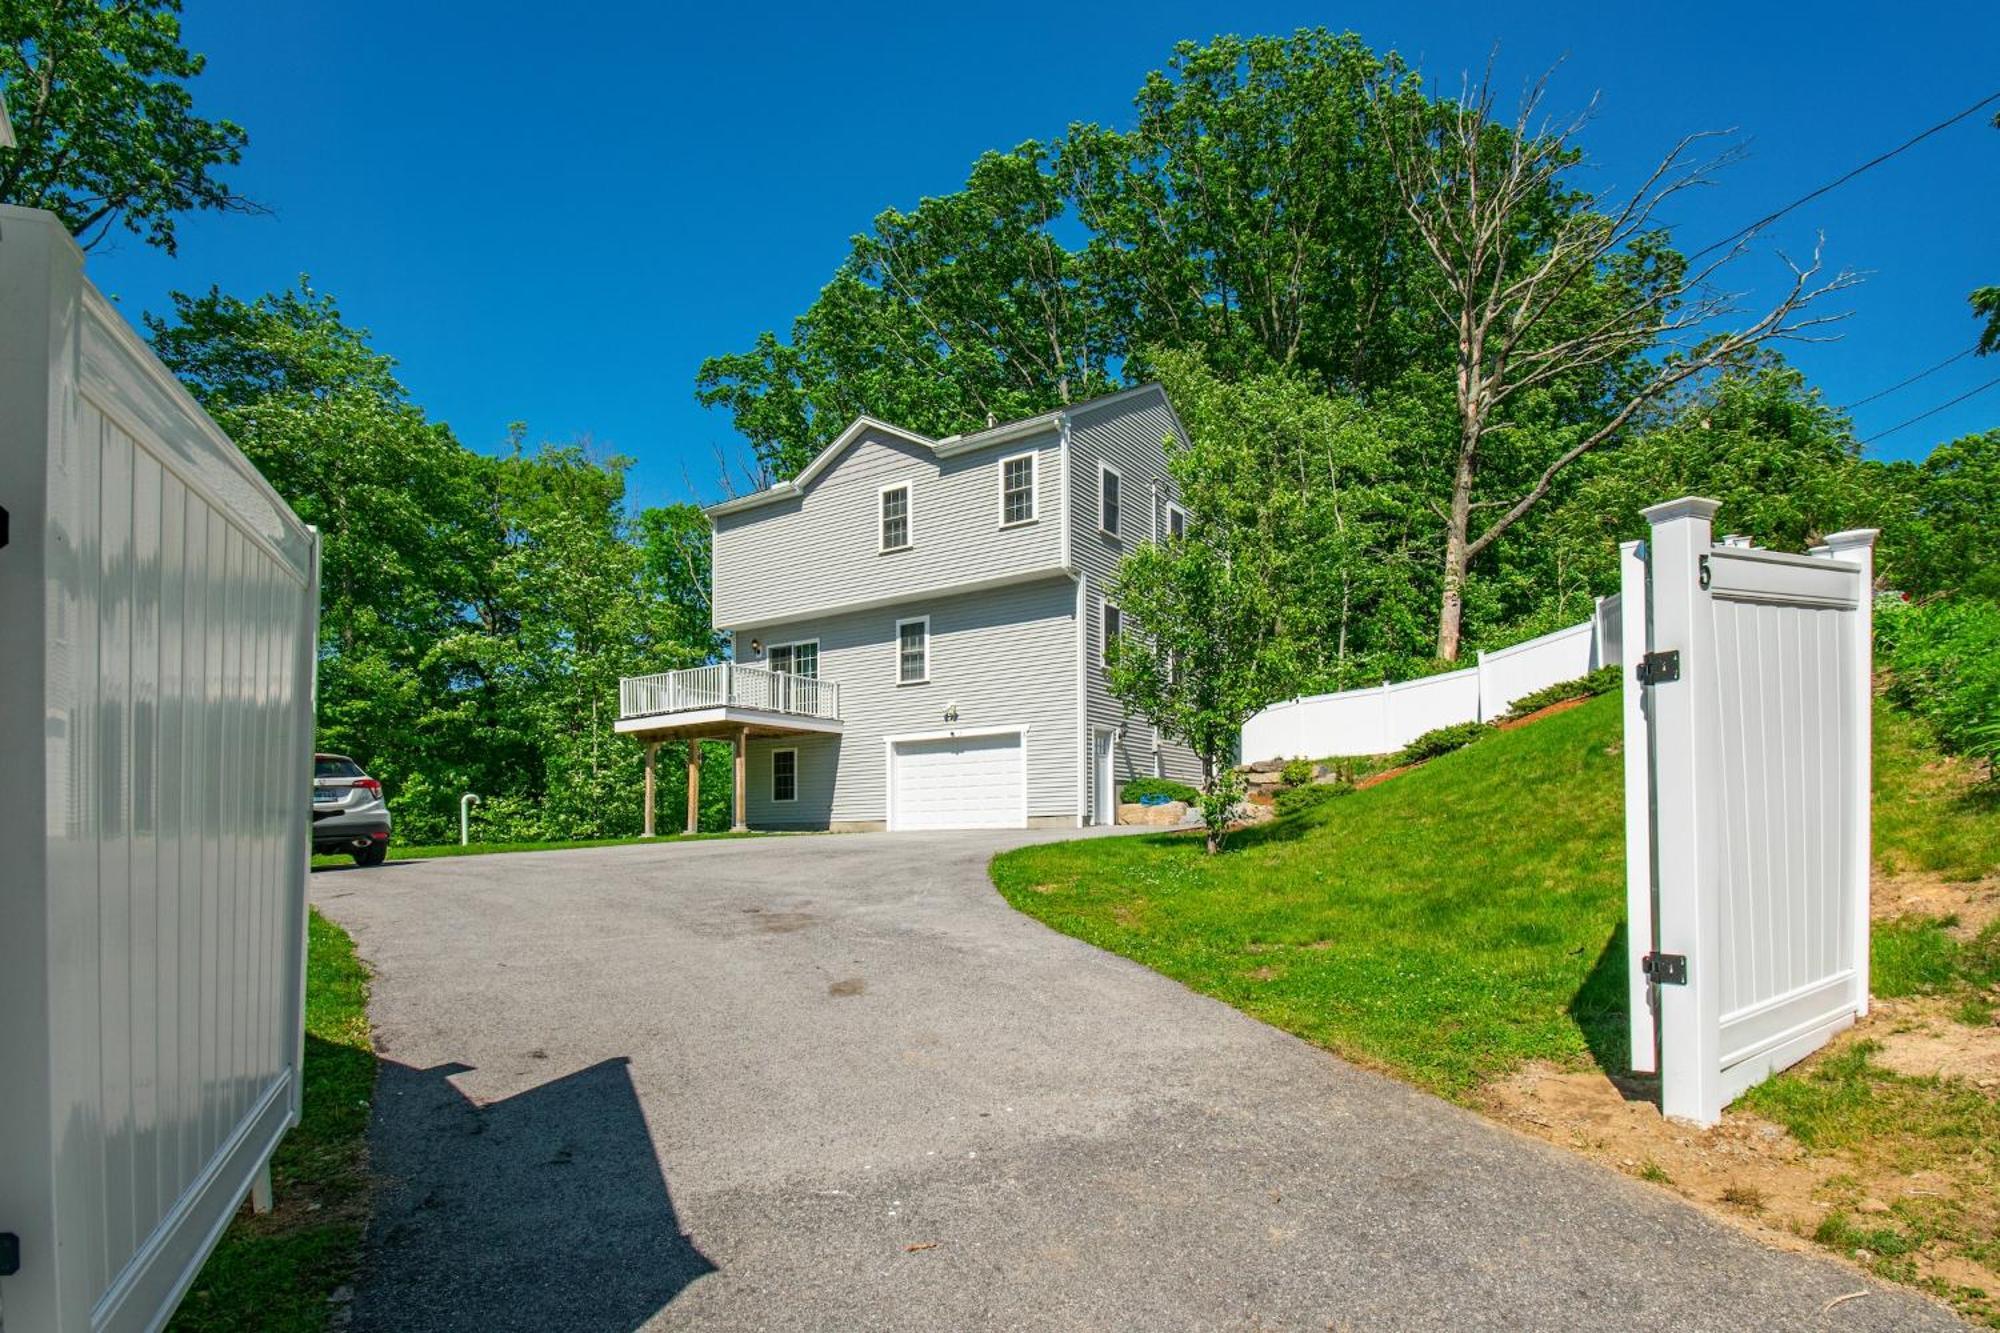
(1107, 498)
(913, 651)
(784, 775)
(1176, 521)
(1114, 628)
(1017, 489)
(801, 659)
(896, 517)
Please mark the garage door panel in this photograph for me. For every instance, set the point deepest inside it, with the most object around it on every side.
(961, 782)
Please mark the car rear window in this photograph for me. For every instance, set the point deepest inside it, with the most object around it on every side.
(332, 766)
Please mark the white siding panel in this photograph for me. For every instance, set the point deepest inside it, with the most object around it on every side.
(798, 557)
(1003, 657)
(1129, 435)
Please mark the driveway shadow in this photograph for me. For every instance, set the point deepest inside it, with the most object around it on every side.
(544, 1210)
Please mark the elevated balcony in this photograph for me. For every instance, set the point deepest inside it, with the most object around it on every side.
(726, 699)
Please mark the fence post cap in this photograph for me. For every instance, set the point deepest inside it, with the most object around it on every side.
(1688, 506)
(1853, 539)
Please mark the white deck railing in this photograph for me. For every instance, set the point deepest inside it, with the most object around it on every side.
(728, 685)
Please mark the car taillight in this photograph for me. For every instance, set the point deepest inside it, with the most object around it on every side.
(371, 786)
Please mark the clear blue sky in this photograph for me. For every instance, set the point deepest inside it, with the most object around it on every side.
(552, 213)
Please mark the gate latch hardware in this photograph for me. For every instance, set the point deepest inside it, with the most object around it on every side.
(10, 1254)
(1665, 969)
(1657, 667)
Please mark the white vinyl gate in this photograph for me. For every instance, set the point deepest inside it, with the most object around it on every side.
(1747, 802)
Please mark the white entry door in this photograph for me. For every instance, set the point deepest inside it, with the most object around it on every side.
(959, 782)
(1103, 791)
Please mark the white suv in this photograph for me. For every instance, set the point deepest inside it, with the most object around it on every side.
(348, 812)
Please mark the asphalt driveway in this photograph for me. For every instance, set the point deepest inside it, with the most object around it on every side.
(835, 1082)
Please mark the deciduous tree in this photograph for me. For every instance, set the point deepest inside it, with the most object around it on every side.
(107, 130)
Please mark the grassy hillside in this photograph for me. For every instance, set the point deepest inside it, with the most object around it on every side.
(1447, 925)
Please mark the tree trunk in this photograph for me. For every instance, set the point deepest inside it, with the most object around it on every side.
(1457, 524)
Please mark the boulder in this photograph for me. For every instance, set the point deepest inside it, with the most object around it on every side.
(1170, 815)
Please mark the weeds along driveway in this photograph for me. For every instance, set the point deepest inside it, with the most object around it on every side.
(835, 1082)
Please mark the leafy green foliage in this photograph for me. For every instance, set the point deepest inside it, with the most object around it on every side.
(1442, 740)
(1196, 660)
(1138, 789)
(1310, 796)
(276, 1272)
(1932, 812)
(106, 128)
(477, 612)
(1943, 658)
(1298, 772)
(1601, 681)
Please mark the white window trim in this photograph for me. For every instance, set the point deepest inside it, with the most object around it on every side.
(925, 621)
(1167, 529)
(909, 517)
(1102, 470)
(1034, 488)
(770, 648)
(776, 799)
(1105, 608)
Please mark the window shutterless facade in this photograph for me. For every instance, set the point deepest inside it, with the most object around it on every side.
(784, 775)
(1176, 521)
(1114, 626)
(1017, 490)
(896, 517)
(913, 651)
(1107, 498)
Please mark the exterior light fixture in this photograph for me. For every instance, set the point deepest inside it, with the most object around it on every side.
(951, 712)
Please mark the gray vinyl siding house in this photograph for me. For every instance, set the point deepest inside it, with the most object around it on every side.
(917, 625)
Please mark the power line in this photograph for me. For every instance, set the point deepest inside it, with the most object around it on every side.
(1969, 393)
(1904, 384)
(1872, 163)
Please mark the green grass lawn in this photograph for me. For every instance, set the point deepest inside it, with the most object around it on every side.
(1446, 925)
(275, 1272)
(1465, 917)
(1931, 811)
(401, 853)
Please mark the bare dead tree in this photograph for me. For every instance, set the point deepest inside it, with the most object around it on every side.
(1517, 249)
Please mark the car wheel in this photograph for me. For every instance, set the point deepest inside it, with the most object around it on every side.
(375, 854)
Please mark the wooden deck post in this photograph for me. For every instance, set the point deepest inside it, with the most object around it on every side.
(694, 784)
(652, 755)
(742, 777)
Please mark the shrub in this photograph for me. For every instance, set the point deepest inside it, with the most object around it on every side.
(1442, 741)
(1295, 800)
(1601, 681)
(1299, 772)
(1943, 658)
(1138, 789)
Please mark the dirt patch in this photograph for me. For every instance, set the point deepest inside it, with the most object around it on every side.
(1975, 905)
(1745, 1169)
(1550, 710)
(847, 986)
(1916, 1038)
(1753, 1174)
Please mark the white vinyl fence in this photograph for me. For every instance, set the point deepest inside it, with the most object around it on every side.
(156, 718)
(1389, 716)
(1747, 774)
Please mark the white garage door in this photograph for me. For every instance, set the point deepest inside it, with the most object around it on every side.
(963, 782)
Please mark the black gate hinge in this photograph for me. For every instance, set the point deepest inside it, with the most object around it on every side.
(1654, 668)
(1665, 969)
(10, 1254)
